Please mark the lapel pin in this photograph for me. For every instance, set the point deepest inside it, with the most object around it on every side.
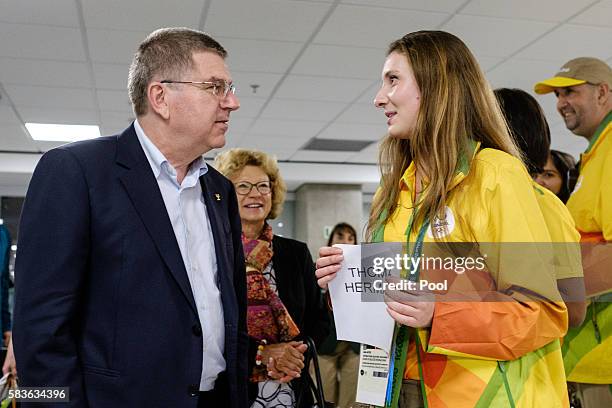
(218, 196)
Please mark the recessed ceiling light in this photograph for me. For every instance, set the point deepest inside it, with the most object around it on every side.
(62, 133)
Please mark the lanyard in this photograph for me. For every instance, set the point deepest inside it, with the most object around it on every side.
(418, 246)
(402, 333)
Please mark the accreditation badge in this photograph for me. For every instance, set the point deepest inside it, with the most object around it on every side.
(373, 376)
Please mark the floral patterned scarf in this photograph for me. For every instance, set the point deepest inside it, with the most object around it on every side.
(267, 316)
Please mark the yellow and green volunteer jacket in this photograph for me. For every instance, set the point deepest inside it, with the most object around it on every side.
(563, 234)
(587, 350)
(501, 353)
(591, 201)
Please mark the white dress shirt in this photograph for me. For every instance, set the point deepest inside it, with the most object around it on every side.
(187, 211)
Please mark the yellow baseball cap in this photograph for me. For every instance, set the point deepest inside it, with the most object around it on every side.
(576, 72)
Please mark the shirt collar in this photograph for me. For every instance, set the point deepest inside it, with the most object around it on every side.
(154, 156)
(158, 161)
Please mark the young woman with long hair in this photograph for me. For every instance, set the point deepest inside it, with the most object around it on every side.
(452, 174)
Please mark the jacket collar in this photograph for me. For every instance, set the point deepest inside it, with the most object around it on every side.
(597, 139)
(141, 186)
(461, 171)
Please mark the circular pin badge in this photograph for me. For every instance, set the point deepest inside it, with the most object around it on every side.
(440, 228)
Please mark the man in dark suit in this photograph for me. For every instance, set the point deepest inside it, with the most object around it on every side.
(130, 275)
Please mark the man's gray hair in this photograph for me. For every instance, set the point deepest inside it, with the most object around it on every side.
(165, 52)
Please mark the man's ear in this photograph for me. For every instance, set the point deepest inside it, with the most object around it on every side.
(603, 93)
(158, 99)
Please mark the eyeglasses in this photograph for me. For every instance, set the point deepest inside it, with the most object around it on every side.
(244, 187)
(216, 86)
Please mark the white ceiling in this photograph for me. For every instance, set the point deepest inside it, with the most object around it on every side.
(317, 64)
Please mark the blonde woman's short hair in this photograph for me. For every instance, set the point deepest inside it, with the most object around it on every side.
(231, 162)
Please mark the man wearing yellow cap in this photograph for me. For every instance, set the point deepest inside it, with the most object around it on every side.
(583, 87)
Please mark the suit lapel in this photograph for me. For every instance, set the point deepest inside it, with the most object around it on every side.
(143, 190)
(216, 208)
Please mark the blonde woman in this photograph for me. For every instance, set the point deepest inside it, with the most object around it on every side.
(451, 174)
(284, 303)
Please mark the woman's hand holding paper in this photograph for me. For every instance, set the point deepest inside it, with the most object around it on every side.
(413, 308)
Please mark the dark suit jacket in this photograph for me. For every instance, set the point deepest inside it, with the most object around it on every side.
(298, 289)
(103, 301)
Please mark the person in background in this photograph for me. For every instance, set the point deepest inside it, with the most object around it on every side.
(284, 301)
(529, 128)
(5, 283)
(452, 174)
(339, 360)
(558, 174)
(583, 87)
(9, 365)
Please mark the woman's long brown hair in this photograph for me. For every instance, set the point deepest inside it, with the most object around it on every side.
(457, 106)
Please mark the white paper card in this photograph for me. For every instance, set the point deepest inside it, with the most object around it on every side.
(356, 320)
